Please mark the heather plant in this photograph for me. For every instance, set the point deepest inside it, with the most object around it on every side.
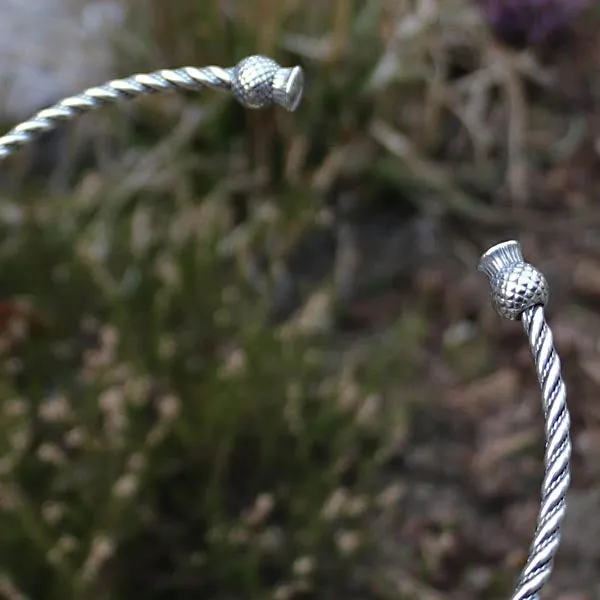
(532, 22)
(157, 439)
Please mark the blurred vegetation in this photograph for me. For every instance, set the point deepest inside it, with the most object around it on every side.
(187, 408)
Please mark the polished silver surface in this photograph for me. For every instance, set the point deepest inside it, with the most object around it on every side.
(520, 291)
(256, 82)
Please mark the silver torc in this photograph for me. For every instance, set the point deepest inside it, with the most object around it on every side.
(520, 291)
(256, 82)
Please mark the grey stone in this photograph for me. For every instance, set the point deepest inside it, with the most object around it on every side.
(53, 48)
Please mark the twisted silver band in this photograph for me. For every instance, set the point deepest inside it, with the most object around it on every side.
(519, 291)
(256, 82)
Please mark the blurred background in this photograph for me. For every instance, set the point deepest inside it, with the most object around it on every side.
(247, 355)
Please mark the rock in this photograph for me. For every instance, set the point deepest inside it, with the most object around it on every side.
(53, 48)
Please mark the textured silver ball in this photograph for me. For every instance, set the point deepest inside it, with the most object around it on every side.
(518, 288)
(252, 82)
(516, 285)
(259, 82)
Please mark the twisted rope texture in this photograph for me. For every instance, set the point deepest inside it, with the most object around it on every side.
(557, 457)
(187, 78)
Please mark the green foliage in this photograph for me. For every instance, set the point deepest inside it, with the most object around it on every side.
(157, 439)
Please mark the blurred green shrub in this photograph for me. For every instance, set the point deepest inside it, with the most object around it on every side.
(157, 440)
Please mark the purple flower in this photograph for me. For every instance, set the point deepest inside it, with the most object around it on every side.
(531, 22)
